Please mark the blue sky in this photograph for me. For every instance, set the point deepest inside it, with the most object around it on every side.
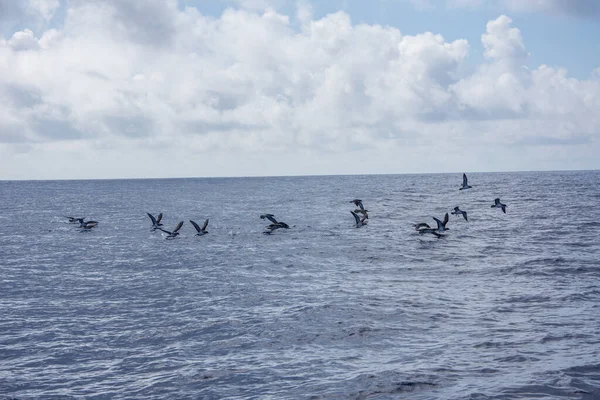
(111, 89)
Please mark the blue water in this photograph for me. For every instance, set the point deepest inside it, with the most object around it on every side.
(506, 306)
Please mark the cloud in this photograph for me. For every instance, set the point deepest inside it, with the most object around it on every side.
(249, 90)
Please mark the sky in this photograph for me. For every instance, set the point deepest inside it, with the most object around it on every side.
(107, 89)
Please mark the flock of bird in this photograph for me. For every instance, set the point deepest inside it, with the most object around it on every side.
(438, 231)
(360, 221)
(156, 224)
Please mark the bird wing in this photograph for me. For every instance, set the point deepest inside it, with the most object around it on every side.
(165, 231)
(465, 181)
(271, 218)
(178, 227)
(504, 208)
(356, 217)
(152, 218)
(497, 201)
(445, 219)
(195, 225)
(159, 218)
(205, 224)
(464, 213)
(456, 209)
(440, 225)
(360, 204)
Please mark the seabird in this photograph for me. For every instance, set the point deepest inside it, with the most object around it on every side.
(363, 212)
(458, 211)
(86, 224)
(359, 222)
(201, 231)
(274, 225)
(270, 217)
(465, 184)
(497, 204)
(72, 220)
(358, 203)
(441, 227)
(420, 226)
(155, 221)
(174, 233)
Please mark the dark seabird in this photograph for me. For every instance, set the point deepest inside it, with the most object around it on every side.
(270, 217)
(72, 220)
(358, 203)
(465, 184)
(155, 221)
(359, 222)
(363, 212)
(421, 225)
(441, 227)
(274, 225)
(458, 211)
(174, 233)
(497, 204)
(86, 224)
(201, 231)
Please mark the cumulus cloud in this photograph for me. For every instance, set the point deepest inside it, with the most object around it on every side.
(248, 90)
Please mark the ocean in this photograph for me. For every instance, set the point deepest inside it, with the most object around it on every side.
(504, 306)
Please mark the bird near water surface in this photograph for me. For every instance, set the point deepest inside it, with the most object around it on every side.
(201, 231)
(498, 204)
(465, 184)
(174, 233)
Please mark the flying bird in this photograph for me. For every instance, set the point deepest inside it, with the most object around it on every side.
(359, 222)
(441, 227)
(72, 220)
(497, 204)
(86, 225)
(458, 211)
(201, 231)
(274, 224)
(155, 221)
(363, 212)
(465, 184)
(420, 226)
(270, 217)
(173, 234)
(358, 203)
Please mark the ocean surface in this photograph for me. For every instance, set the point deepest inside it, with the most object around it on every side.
(505, 306)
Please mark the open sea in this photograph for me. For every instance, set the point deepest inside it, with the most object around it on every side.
(505, 306)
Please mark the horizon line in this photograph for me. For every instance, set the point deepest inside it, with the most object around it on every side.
(292, 176)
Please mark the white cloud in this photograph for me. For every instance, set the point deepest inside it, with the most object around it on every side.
(248, 93)
(23, 40)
